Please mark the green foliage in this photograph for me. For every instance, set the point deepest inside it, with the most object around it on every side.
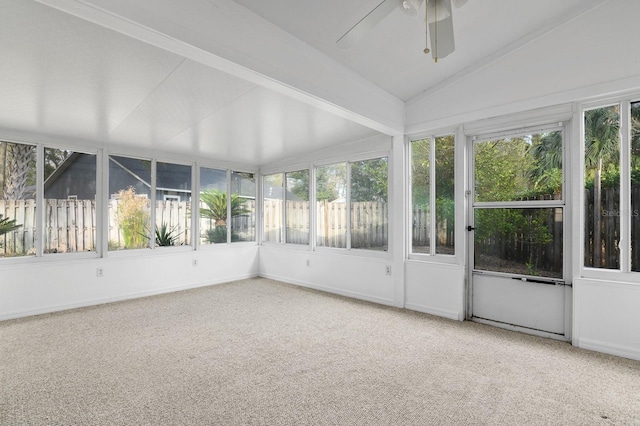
(166, 237)
(369, 180)
(219, 235)
(420, 173)
(133, 218)
(601, 134)
(7, 225)
(501, 168)
(331, 182)
(298, 184)
(216, 206)
(53, 158)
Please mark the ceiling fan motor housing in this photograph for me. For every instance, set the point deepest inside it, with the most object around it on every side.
(411, 7)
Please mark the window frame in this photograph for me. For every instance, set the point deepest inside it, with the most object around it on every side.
(39, 256)
(432, 256)
(228, 169)
(348, 159)
(624, 272)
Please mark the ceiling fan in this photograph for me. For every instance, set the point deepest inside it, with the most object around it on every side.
(438, 16)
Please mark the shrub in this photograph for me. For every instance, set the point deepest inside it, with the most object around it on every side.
(133, 218)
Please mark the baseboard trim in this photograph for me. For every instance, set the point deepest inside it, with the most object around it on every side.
(456, 316)
(129, 296)
(609, 348)
(332, 290)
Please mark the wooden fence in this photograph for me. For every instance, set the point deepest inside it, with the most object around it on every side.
(369, 222)
(70, 225)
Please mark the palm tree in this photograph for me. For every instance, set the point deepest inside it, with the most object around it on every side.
(18, 158)
(602, 148)
(216, 202)
(7, 225)
(547, 153)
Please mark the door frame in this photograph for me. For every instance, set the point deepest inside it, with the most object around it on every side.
(471, 139)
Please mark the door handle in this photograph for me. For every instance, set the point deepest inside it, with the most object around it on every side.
(470, 228)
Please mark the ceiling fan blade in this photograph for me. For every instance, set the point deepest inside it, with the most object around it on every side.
(367, 23)
(442, 41)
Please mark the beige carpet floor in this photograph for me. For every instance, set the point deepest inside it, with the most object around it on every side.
(259, 352)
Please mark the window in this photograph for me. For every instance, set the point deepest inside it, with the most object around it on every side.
(272, 206)
(129, 208)
(173, 205)
(286, 201)
(213, 206)
(612, 187)
(243, 206)
(433, 229)
(18, 222)
(369, 187)
(518, 204)
(297, 207)
(331, 205)
(351, 204)
(70, 201)
(602, 187)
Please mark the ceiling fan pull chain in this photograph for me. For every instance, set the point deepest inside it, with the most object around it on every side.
(435, 35)
(426, 26)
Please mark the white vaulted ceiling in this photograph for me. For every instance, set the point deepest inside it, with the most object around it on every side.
(255, 82)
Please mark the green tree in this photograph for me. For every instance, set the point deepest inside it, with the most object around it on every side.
(216, 206)
(546, 172)
(369, 180)
(602, 154)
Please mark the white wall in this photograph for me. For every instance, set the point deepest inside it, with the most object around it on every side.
(361, 277)
(435, 288)
(605, 316)
(52, 285)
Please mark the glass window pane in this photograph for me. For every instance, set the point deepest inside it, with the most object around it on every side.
(70, 201)
(18, 204)
(297, 207)
(213, 206)
(523, 168)
(445, 191)
(243, 207)
(420, 196)
(331, 205)
(369, 188)
(173, 205)
(519, 241)
(635, 186)
(129, 209)
(602, 187)
(273, 201)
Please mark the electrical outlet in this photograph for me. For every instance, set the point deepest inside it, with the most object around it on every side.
(388, 269)
(308, 262)
(99, 272)
(195, 262)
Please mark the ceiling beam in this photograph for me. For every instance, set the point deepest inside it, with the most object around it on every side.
(228, 37)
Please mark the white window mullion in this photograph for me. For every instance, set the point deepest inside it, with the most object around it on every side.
(152, 224)
(195, 206)
(313, 205)
(625, 187)
(283, 228)
(348, 206)
(229, 174)
(40, 204)
(432, 196)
